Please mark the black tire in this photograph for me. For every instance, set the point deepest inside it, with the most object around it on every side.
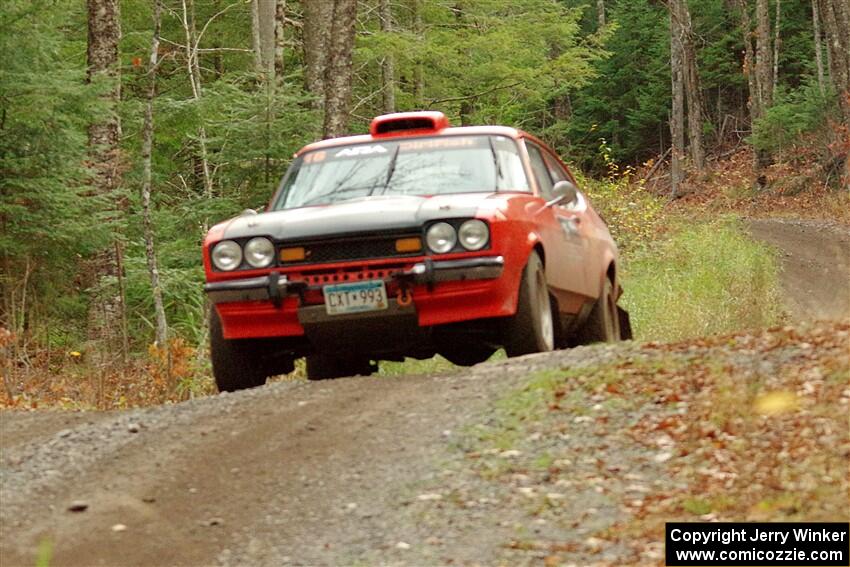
(237, 364)
(467, 356)
(603, 323)
(531, 329)
(324, 367)
(625, 324)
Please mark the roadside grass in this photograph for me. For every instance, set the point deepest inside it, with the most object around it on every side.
(436, 364)
(701, 279)
(433, 365)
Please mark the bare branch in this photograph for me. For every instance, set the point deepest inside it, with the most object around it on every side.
(476, 95)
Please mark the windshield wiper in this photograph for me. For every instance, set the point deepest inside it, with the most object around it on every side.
(495, 161)
(390, 171)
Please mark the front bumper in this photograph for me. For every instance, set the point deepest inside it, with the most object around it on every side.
(276, 287)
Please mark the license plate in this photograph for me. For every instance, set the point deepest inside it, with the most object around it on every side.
(355, 297)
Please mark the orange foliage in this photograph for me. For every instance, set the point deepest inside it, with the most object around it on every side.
(59, 379)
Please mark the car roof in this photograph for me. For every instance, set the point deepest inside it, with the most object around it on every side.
(454, 131)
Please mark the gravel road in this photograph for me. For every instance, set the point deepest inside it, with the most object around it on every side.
(328, 473)
(815, 259)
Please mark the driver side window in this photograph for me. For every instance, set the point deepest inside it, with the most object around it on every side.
(541, 172)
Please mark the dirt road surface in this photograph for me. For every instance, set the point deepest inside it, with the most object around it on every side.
(815, 259)
(325, 473)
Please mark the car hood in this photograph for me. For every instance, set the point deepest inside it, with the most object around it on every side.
(367, 214)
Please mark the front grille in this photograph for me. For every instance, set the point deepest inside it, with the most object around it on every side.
(350, 248)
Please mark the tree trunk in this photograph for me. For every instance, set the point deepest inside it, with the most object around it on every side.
(194, 69)
(418, 80)
(318, 20)
(818, 46)
(693, 89)
(764, 55)
(776, 40)
(762, 96)
(388, 64)
(836, 20)
(217, 59)
(750, 62)
(339, 69)
(256, 42)
(279, 37)
(677, 118)
(600, 13)
(147, 145)
(104, 34)
(267, 11)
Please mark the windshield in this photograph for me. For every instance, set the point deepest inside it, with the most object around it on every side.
(421, 166)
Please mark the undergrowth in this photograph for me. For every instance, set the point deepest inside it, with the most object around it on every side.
(701, 279)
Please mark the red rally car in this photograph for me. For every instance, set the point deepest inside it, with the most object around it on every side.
(413, 240)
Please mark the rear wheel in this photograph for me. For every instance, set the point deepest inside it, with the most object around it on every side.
(603, 324)
(532, 328)
(237, 364)
(325, 367)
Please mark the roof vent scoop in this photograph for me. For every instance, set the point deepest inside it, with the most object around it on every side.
(408, 123)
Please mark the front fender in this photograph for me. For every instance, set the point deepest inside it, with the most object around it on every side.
(515, 240)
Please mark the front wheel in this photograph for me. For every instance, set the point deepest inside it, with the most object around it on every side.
(531, 329)
(237, 364)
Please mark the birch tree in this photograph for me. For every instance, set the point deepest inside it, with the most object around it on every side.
(194, 73)
(776, 41)
(161, 327)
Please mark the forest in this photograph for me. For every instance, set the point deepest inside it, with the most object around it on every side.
(129, 127)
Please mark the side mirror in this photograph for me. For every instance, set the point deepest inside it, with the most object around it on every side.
(565, 192)
(248, 213)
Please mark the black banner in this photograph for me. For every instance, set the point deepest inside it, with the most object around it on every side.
(819, 544)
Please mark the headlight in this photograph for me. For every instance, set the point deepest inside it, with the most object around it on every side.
(474, 234)
(441, 237)
(259, 252)
(227, 255)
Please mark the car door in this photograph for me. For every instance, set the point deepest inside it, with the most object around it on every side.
(574, 219)
(560, 231)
